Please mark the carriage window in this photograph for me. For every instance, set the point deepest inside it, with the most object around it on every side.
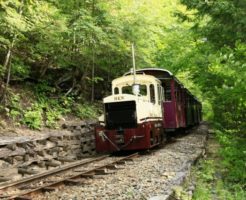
(128, 90)
(167, 91)
(116, 90)
(177, 94)
(152, 93)
(180, 96)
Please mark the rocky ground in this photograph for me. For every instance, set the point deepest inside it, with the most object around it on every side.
(28, 154)
(153, 176)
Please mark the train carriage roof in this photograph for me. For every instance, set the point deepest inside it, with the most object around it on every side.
(162, 74)
(142, 78)
(157, 72)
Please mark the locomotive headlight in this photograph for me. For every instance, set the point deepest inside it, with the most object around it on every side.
(101, 135)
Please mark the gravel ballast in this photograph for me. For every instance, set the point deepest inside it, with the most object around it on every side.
(151, 176)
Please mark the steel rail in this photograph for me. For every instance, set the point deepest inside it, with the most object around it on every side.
(50, 186)
(40, 176)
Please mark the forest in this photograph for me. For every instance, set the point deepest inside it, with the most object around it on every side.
(57, 58)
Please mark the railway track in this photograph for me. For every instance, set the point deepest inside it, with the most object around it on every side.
(72, 174)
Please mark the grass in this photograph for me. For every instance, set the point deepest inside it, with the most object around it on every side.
(211, 175)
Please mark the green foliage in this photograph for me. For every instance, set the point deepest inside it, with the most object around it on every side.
(62, 47)
(202, 192)
(208, 56)
(43, 89)
(33, 117)
(14, 110)
(233, 154)
(86, 111)
(207, 173)
(52, 116)
(1, 70)
(20, 70)
(52, 109)
(80, 35)
(39, 110)
(211, 186)
(95, 79)
(225, 23)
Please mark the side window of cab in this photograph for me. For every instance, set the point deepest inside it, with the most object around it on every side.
(160, 94)
(152, 93)
(116, 90)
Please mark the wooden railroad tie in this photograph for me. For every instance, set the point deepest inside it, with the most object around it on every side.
(4, 196)
(52, 163)
(25, 187)
(24, 171)
(49, 181)
(121, 162)
(22, 198)
(65, 159)
(74, 181)
(128, 160)
(112, 167)
(79, 170)
(101, 171)
(48, 189)
(91, 175)
(4, 179)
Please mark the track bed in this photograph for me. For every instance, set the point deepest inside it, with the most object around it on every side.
(152, 176)
(149, 176)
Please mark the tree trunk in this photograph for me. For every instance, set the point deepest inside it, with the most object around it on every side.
(93, 77)
(83, 80)
(93, 59)
(7, 62)
(6, 66)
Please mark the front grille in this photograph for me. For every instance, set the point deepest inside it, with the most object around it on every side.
(120, 115)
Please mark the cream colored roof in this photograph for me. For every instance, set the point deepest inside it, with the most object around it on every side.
(150, 69)
(140, 79)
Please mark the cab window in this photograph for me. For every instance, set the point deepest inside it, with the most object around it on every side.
(127, 90)
(143, 90)
(152, 93)
(116, 90)
(160, 94)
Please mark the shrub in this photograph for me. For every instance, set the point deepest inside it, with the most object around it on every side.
(52, 115)
(15, 110)
(33, 118)
(85, 111)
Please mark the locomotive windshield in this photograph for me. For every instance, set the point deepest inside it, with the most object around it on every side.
(142, 89)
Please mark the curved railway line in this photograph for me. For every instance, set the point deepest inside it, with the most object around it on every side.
(72, 174)
(168, 166)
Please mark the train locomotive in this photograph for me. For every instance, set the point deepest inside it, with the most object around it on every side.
(145, 108)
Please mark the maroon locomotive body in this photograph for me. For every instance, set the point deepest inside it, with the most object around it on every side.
(140, 113)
